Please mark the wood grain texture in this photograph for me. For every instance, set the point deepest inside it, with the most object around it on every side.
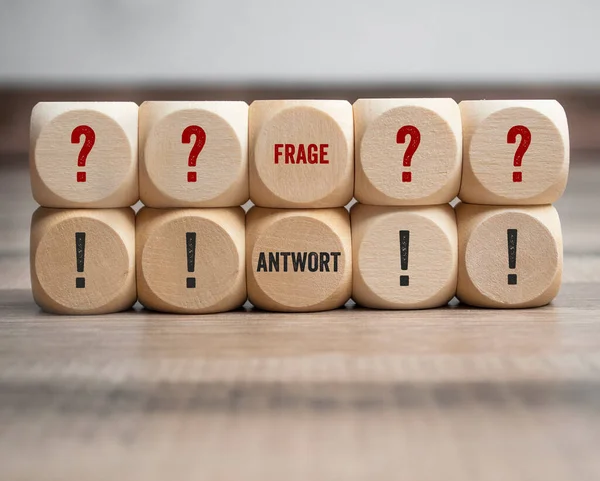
(83, 260)
(403, 257)
(191, 260)
(508, 256)
(456, 393)
(424, 133)
(105, 133)
(171, 132)
(298, 260)
(301, 153)
(515, 152)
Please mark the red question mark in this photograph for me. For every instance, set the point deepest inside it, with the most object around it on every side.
(90, 139)
(511, 138)
(415, 140)
(186, 138)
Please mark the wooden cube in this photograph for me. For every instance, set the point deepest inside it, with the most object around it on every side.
(191, 260)
(84, 154)
(408, 151)
(508, 256)
(83, 260)
(298, 260)
(301, 153)
(516, 152)
(404, 257)
(194, 154)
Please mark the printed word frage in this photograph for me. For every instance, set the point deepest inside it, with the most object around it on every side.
(301, 154)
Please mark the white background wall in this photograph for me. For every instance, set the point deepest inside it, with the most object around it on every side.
(308, 41)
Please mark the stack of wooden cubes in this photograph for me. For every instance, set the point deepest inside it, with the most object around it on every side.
(83, 161)
(408, 169)
(193, 249)
(515, 165)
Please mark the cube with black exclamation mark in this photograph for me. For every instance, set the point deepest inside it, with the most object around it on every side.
(191, 260)
(403, 257)
(83, 260)
(508, 256)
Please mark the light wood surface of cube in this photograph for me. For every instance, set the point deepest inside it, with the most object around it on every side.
(408, 151)
(83, 260)
(404, 257)
(489, 236)
(191, 260)
(301, 153)
(298, 260)
(84, 154)
(193, 154)
(515, 152)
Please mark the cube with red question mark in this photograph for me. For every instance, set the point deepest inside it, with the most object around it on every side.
(516, 152)
(84, 154)
(193, 154)
(407, 151)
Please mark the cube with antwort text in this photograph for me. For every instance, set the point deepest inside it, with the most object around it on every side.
(298, 260)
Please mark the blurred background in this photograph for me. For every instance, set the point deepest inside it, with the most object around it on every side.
(453, 394)
(234, 49)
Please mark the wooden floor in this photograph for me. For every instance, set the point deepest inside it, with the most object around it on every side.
(446, 394)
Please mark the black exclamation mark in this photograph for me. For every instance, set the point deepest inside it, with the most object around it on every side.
(80, 256)
(404, 241)
(190, 248)
(512, 255)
